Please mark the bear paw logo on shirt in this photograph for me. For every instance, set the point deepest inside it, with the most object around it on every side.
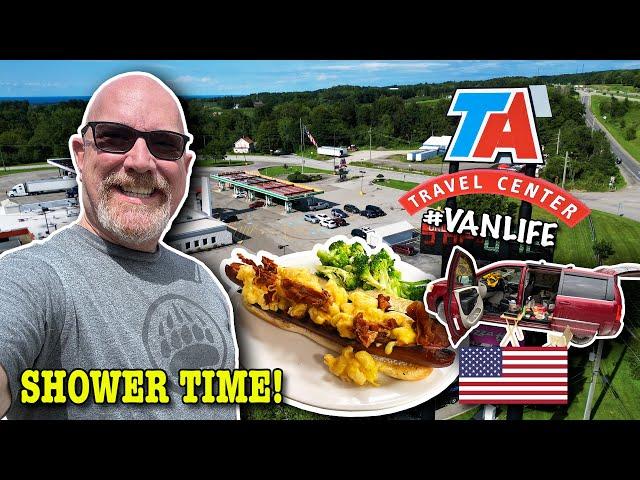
(179, 334)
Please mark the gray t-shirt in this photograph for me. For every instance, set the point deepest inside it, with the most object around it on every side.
(78, 301)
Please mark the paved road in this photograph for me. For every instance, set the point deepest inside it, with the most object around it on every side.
(629, 164)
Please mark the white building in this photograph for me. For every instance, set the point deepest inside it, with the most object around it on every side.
(391, 234)
(438, 143)
(198, 232)
(243, 145)
(422, 155)
(194, 229)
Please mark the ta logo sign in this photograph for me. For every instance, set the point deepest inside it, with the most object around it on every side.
(497, 122)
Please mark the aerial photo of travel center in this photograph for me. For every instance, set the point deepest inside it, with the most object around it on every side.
(294, 156)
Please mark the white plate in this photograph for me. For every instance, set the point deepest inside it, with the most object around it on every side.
(307, 383)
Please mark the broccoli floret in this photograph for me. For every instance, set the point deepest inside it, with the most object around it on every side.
(340, 246)
(357, 249)
(338, 255)
(343, 278)
(411, 290)
(335, 258)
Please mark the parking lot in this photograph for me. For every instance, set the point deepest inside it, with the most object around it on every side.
(273, 230)
(269, 228)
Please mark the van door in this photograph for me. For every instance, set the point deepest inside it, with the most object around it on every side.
(584, 303)
(463, 306)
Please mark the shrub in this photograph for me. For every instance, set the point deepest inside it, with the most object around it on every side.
(298, 177)
(630, 133)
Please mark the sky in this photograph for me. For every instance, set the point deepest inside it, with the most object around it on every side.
(33, 78)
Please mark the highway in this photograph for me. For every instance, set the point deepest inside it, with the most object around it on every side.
(631, 166)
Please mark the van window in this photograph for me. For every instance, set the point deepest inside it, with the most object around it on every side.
(584, 287)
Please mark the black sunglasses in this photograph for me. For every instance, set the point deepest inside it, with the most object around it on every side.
(112, 137)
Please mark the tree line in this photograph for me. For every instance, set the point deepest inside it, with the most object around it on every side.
(398, 117)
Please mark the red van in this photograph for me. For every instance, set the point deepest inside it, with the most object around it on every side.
(545, 297)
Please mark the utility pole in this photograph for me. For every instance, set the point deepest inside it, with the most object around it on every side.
(594, 379)
(558, 145)
(302, 144)
(564, 170)
(369, 144)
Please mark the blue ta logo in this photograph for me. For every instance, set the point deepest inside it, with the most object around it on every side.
(497, 122)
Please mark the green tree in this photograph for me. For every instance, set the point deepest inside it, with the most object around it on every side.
(267, 137)
(603, 249)
(630, 133)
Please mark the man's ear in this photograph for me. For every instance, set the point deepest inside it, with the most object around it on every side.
(189, 158)
(77, 147)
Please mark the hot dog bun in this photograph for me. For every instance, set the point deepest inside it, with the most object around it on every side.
(395, 368)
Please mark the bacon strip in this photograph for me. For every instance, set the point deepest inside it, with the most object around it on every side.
(383, 302)
(430, 332)
(297, 292)
(367, 332)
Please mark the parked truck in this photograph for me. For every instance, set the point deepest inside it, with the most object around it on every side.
(35, 187)
(333, 151)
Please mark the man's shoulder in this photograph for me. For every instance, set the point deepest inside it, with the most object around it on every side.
(185, 262)
(36, 252)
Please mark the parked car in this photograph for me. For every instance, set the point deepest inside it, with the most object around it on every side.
(279, 151)
(404, 249)
(369, 213)
(339, 221)
(323, 216)
(377, 210)
(351, 208)
(328, 223)
(229, 218)
(310, 217)
(256, 204)
(319, 205)
(336, 212)
(240, 194)
(553, 297)
(618, 161)
(360, 232)
(72, 192)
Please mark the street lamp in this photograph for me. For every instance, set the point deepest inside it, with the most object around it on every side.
(361, 181)
(45, 210)
(283, 248)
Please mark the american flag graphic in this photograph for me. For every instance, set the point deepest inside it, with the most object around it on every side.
(526, 375)
(311, 139)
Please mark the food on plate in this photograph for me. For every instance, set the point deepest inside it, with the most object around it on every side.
(405, 342)
(351, 267)
(359, 367)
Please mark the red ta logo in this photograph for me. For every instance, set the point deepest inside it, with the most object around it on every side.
(494, 122)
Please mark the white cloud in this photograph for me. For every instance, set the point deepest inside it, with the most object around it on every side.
(196, 80)
(376, 66)
(324, 76)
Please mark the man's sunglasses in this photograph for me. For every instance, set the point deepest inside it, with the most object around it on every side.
(112, 137)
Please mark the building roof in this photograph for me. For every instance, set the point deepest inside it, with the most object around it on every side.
(442, 141)
(62, 163)
(393, 228)
(246, 139)
(14, 233)
(269, 186)
(8, 203)
(193, 228)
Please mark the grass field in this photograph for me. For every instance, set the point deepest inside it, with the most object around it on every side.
(615, 88)
(278, 171)
(574, 245)
(632, 117)
(24, 170)
(220, 163)
(377, 166)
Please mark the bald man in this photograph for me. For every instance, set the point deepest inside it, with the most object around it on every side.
(105, 292)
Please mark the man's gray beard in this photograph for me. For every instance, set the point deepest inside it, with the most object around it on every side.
(133, 232)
